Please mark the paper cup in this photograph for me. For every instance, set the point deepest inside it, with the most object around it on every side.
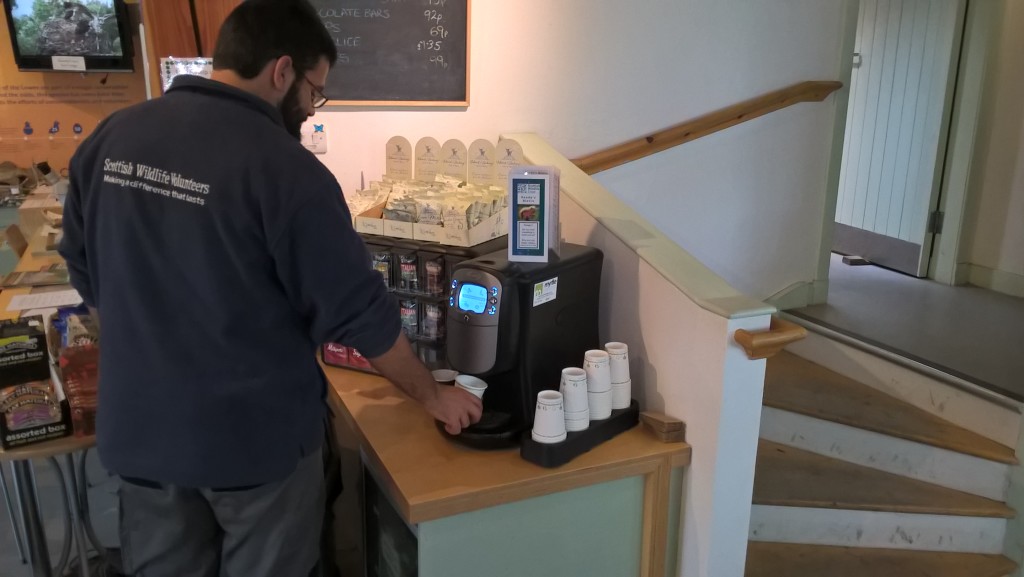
(574, 389)
(445, 376)
(549, 418)
(471, 384)
(577, 420)
(622, 394)
(618, 361)
(600, 405)
(599, 378)
(573, 425)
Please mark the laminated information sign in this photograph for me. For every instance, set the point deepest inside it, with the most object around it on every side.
(533, 213)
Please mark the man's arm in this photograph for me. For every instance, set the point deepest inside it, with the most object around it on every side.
(453, 406)
(325, 270)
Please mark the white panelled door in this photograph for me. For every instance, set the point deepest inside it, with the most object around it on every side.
(896, 128)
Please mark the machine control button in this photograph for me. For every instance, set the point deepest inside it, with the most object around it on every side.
(494, 291)
(451, 301)
(455, 283)
(465, 318)
(494, 300)
(492, 310)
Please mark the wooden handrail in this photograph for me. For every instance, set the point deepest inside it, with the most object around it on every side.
(764, 344)
(810, 91)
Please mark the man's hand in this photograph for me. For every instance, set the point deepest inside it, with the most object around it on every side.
(454, 407)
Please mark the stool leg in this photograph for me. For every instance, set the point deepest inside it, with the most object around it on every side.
(76, 517)
(10, 513)
(25, 489)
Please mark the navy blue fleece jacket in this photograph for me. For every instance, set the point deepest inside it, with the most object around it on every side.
(220, 254)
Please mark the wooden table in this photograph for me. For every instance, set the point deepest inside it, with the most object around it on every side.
(35, 258)
(433, 482)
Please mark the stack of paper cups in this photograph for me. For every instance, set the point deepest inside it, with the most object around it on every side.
(549, 420)
(575, 397)
(618, 366)
(599, 384)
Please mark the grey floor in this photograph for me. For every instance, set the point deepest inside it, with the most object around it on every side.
(966, 331)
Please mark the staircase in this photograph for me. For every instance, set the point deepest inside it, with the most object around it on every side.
(866, 468)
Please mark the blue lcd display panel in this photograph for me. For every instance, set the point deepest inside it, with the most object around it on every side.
(473, 298)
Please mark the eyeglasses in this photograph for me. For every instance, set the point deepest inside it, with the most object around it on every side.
(317, 97)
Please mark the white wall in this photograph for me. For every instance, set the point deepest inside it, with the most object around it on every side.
(748, 202)
(678, 319)
(996, 194)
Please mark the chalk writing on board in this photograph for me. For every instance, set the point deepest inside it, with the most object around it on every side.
(398, 50)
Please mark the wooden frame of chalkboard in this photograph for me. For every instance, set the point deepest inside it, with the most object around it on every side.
(398, 52)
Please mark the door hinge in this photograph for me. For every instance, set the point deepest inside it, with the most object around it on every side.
(935, 222)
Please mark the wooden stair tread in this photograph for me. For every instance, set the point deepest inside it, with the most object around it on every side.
(798, 560)
(791, 477)
(797, 385)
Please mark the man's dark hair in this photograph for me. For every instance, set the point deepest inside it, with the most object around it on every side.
(258, 31)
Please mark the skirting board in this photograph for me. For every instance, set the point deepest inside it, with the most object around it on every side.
(1000, 281)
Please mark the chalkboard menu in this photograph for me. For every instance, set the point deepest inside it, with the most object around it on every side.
(403, 52)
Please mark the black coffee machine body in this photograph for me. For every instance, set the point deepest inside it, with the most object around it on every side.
(516, 325)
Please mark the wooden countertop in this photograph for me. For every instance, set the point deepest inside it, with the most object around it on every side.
(429, 477)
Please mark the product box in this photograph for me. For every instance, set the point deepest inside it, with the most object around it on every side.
(397, 228)
(73, 337)
(79, 370)
(533, 213)
(491, 227)
(32, 407)
(371, 221)
(337, 355)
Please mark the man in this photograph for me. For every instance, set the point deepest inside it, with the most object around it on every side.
(219, 254)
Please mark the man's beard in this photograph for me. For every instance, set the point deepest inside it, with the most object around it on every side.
(292, 112)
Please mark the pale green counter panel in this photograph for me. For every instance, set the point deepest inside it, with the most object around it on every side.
(594, 531)
(590, 531)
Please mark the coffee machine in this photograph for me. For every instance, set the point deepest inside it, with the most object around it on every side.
(516, 325)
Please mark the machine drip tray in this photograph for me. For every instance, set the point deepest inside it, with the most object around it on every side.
(495, 430)
(491, 421)
(578, 442)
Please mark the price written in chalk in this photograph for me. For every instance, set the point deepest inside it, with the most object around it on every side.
(429, 45)
(433, 16)
(438, 32)
(439, 62)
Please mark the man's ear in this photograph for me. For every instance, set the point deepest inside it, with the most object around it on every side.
(283, 73)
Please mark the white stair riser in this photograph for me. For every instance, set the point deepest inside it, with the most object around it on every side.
(972, 412)
(882, 452)
(876, 529)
